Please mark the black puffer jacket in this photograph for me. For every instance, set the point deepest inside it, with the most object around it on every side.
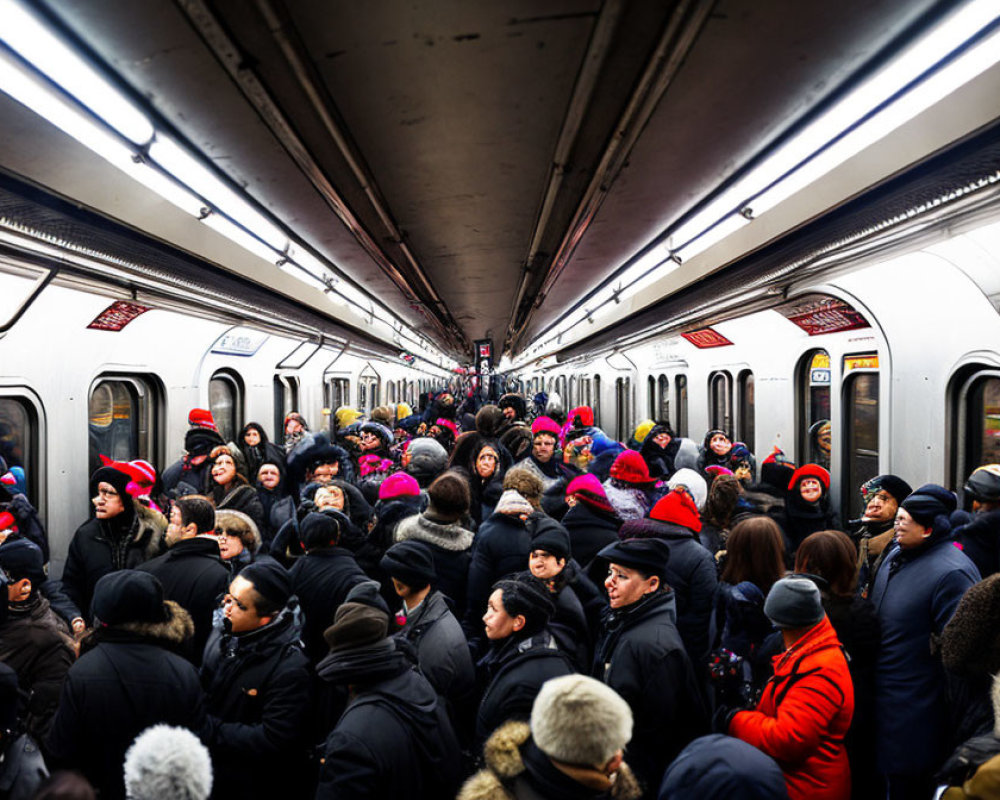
(589, 531)
(93, 552)
(512, 672)
(243, 498)
(193, 574)
(322, 580)
(641, 656)
(980, 540)
(450, 545)
(258, 686)
(127, 679)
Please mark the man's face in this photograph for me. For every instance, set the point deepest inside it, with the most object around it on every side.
(881, 507)
(545, 566)
(324, 473)
(293, 426)
(627, 586)
(543, 447)
(108, 503)
(269, 476)
(369, 441)
(486, 462)
(175, 526)
(662, 439)
(239, 608)
(498, 623)
(909, 532)
(510, 413)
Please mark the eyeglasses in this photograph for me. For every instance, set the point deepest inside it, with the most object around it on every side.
(224, 534)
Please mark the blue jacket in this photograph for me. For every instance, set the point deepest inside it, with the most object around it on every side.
(915, 597)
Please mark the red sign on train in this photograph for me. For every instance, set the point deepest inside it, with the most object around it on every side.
(706, 337)
(117, 316)
(823, 314)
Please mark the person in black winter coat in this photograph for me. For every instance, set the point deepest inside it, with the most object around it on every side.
(121, 535)
(591, 522)
(257, 449)
(873, 533)
(484, 468)
(980, 535)
(522, 653)
(127, 678)
(271, 491)
(720, 767)
(440, 529)
(192, 571)
(227, 486)
(188, 475)
(828, 559)
(322, 578)
(641, 656)
(257, 681)
(807, 505)
(690, 572)
(394, 740)
(659, 449)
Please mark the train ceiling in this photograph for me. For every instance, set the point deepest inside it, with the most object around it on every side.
(477, 166)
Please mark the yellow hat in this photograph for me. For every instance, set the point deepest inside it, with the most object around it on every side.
(346, 415)
(403, 411)
(642, 429)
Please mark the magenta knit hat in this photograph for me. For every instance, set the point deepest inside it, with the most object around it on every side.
(399, 484)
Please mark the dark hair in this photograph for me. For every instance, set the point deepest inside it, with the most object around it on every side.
(830, 555)
(755, 552)
(65, 785)
(723, 495)
(523, 594)
(265, 607)
(197, 510)
(449, 494)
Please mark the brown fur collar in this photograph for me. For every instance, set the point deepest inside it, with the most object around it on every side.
(151, 527)
(174, 631)
(502, 754)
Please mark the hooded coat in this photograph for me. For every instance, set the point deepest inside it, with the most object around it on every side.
(257, 684)
(128, 678)
(270, 500)
(257, 454)
(803, 716)
(450, 546)
(980, 539)
(915, 594)
(515, 769)
(641, 656)
(94, 551)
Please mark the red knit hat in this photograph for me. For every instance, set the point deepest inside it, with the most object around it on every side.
(545, 425)
(585, 413)
(202, 418)
(588, 489)
(810, 471)
(631, 467)
(678, 508)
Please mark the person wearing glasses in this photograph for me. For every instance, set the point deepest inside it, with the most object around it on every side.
(641, 656)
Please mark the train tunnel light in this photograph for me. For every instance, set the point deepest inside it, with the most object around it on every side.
(29, 36)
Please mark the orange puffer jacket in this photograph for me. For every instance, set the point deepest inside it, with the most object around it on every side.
(802, 716)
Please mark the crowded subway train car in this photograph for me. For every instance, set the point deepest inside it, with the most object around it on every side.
(775, 220)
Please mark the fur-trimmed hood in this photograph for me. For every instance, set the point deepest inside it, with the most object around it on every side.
(450, 536)
(504, 765)
(150, 530)
(173, 633)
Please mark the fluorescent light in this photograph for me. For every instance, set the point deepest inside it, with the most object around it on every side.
(970, 64)
(724, 228)
(354, 296)
(29, 36)
(190, 171)
(236, 234)
(300, 274)
(309, 262)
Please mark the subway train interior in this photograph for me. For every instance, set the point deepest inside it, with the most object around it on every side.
(773, 217)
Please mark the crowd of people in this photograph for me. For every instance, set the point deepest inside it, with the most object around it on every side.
(498, 600)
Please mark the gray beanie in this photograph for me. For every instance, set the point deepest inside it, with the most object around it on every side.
(580, 720)
(794, 602)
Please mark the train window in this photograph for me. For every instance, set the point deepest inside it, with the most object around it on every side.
(623, 408)
(745, 385)
(19, 441)
(720, 393)
(982, 416)
(286, 400)
(596, 405)
(815, 429)
(561, 389)
(338, 393)
(573, 398)
(123, 416)
(225, 401)
(681, 384)
(651, 404)
(663, 407)
(861, 416)
(369, 385)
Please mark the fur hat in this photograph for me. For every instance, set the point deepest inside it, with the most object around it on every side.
(514, 401)
(678, 508)
(238, 523)
(576, 719)
(794, 602)
(449, 495)
(693, 482)
(526, 483)
(167, 763)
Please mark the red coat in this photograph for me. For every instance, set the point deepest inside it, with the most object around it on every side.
(803, 715)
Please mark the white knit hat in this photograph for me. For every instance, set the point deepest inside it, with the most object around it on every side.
(166, 763)
(579, 720)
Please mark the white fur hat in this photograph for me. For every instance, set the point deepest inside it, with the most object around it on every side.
(578, 720)
(166, 763)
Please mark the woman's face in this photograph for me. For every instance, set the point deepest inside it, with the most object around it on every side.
(720, 444)
(293, 426)
(329, 497)
(544, 565)
(224, 470)
(230, 544)
(486, 462)
(251, 437)
(269, 476)
(811, 490)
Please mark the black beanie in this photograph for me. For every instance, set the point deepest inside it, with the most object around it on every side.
(21, 558)
(320, 530)
(129, 595)
(553, 540)
(270, 580)
(449, 495)
(892, 484)
(526, 595)
(928, 502)
(410, 562)
(201, 441)
(118, 479)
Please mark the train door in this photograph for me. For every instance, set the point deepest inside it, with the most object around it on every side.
(225, 401)
(20, 440)
(977, 437)
(369, 386)
(624, 416)
(720, 400)
(124, 414)
(746, 410)
(815, 430)
(860, 392)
